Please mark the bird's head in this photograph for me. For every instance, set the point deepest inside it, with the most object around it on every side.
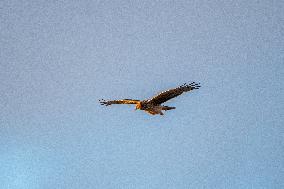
(138, 106)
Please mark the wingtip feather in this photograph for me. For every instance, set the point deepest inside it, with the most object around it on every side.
(191, 86)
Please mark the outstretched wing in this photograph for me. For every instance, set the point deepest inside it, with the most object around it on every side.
(172, 93)
(123, 101)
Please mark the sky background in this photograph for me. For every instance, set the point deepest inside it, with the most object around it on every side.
(58, 58)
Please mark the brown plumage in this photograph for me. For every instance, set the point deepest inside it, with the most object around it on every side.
(153, 106)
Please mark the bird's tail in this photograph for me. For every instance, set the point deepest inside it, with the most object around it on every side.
(168, 108)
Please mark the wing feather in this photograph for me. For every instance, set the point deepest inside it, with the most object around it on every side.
(123, 101)
(172, 93)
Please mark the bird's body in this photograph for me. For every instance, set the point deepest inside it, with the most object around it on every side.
(153, 106)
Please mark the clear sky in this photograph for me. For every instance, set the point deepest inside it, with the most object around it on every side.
(58, 58)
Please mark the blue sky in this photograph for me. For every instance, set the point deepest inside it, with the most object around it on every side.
(58, 58)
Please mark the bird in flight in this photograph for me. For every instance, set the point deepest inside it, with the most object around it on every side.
(153, 106)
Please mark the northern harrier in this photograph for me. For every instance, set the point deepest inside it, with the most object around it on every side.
(153, 106)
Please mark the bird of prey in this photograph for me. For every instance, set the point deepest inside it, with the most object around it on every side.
(153, 106)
